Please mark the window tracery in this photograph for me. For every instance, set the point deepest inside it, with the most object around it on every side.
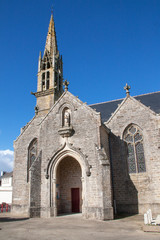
(134, 139)
(45, 66)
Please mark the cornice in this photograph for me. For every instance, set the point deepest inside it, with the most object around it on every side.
(43, 93)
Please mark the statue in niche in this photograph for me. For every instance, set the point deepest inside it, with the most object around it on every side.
(66, 118)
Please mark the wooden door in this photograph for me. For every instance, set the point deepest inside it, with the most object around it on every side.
(75, 197)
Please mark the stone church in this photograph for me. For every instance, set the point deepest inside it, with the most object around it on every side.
(100, 160)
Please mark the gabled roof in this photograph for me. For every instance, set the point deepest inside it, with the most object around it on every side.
(76, 99)
(7, 175)
(106, 108)
(151, 100)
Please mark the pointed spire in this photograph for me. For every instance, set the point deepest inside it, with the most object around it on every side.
(51, 42)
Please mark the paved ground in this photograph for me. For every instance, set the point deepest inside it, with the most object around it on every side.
(72, 227)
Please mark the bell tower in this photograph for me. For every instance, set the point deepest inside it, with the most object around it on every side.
(50, 73)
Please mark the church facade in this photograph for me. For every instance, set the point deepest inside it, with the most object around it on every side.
(101, 160)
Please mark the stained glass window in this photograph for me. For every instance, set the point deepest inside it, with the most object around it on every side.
(136, 160)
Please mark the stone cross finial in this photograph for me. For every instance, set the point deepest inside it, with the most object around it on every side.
(127, 87)
(66, 83)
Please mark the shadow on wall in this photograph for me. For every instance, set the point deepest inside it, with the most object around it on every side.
(125, 194)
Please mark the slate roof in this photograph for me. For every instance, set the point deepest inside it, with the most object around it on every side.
(151, 100)
(7, 175)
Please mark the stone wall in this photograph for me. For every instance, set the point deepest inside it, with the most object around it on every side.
(85, 137)
(85, 140)
(35, 187)
(135, 192)
(21, 186)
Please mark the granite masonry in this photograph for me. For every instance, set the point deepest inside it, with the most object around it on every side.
(100, 160)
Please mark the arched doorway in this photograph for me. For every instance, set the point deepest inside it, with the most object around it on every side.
(68, 186)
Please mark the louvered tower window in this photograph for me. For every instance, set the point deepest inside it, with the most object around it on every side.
(134, 138)
(45, 66)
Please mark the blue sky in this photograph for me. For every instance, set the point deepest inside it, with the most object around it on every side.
(104, 44)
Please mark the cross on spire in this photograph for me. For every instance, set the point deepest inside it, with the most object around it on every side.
(127, 88)
(66, 83)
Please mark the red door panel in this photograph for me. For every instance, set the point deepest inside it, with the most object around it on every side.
(75, 197)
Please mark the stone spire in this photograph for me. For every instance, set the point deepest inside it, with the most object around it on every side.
(51, 41)
(50, 73)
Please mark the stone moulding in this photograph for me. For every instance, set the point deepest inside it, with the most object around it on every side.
(65, 131)
(43, 93)
(64, 150)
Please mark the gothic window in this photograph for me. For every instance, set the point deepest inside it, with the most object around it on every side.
(43, 76)
(47, 75)
(47, 86)
(59, 82)
(134, 139)
(48, 65)
(32, 154)
(43, 81)
(43, 66)
(47, 81)
(43, 85)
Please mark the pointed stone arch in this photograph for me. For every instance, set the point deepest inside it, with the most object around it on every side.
(70, 150)
(67, 189)
(66, 152)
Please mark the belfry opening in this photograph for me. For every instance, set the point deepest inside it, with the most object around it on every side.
(68, 186)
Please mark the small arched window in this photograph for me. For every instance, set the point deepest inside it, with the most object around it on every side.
(43, 66)
(134, 139)
(48, 65)
(43, 81)
(48, 74)
(47, 85)
(32, 154)
(43, 76)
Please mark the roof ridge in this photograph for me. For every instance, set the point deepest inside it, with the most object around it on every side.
(123, 98)
(146, 94)
(107, 101)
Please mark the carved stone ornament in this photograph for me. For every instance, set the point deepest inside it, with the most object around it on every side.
(88, 172)
(66, 131)
(103, 157)
(36, 109)
(47, 176)
(67, 147)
